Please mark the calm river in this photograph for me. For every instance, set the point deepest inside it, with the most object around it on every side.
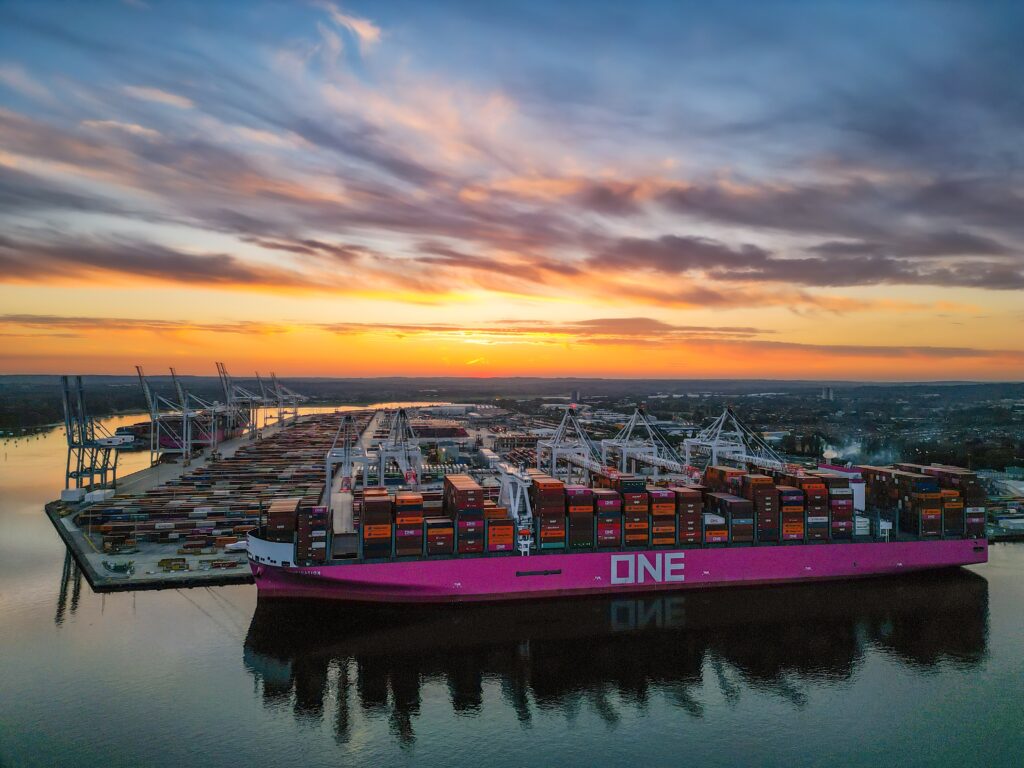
(912, 672)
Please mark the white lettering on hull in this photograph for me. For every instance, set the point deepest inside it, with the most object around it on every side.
(653, 568)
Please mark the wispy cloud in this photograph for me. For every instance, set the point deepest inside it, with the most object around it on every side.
(114, 125)
(365, 31)
(18, 79)
(159, 96)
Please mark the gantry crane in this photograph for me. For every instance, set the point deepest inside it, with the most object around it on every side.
(287, 400)
(348, 454)
(728, 439)
(92, 451)
(243, 404)
(569, 446)
(168, 421)
(641, 442)
(400, 447)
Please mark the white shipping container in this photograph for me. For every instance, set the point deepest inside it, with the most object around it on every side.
(73, 495)
(163, 526)
(710, 519)
(817, 519)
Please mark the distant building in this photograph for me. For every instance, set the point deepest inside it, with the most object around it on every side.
(575, 396)
(827, 393)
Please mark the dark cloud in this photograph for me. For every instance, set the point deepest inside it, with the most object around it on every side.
(947, 243)
(310, 247)
(840, 264)
(66, 258)
(24, 192)
(677, 254)
(617, 200)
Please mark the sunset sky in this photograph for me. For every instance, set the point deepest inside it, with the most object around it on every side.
(778, 190)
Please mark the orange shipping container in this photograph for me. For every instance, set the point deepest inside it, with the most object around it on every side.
(409, 519)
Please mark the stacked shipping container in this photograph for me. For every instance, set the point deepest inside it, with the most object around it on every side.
(408, 524)
(791, 505)
(761, 492)
(311, 536)
(547, 498)
(579, 501)
(608, 511)
(689, 514)
(662, 509)
(464, 500)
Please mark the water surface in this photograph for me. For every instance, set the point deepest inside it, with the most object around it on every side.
(914, 672)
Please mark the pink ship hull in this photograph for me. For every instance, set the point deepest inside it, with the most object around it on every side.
(558, 575)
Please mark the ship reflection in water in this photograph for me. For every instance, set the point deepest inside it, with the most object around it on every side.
(607, 653)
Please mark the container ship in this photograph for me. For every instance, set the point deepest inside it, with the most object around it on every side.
(738, 527)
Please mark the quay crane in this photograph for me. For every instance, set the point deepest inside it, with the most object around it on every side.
(243, 405)
(92, 450)
(346, 452)
(641, 442)
(400, 447)
(571, 445)
(169, 421)
(729, 439)
(287, 400)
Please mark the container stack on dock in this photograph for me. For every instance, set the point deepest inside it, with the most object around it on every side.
(408, 523)
(608, 510)
(579, 500)
(224, 500)
(547, 499)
